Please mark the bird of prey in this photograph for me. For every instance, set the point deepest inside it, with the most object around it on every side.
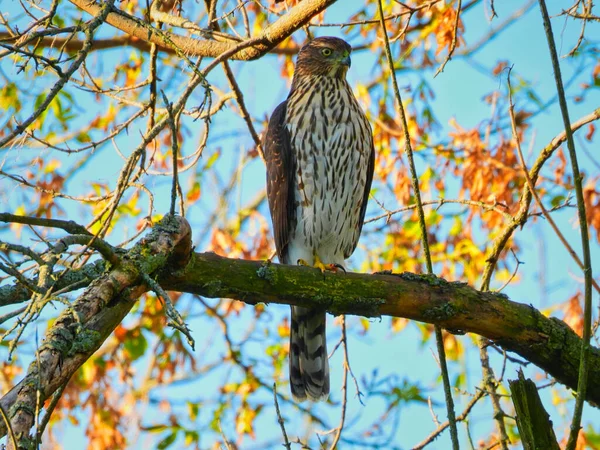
(319, 155)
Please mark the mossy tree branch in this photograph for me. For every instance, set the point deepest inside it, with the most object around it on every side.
(546, 342)
(81, 329)
(164, 254)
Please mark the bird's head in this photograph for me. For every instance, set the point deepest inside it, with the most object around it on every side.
(328, 56)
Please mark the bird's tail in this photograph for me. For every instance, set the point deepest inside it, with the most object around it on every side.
(309, 366)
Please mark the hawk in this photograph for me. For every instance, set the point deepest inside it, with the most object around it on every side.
(319, 155)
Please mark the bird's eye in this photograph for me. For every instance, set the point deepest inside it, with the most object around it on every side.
(326, 51)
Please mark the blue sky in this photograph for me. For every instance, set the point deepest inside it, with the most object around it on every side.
(459, 93)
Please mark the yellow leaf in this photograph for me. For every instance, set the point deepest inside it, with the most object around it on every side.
(398, 324)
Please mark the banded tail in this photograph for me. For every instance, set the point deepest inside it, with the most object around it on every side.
(309, 366)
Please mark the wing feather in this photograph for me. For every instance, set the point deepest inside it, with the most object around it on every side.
(365, 200)
(281, 173)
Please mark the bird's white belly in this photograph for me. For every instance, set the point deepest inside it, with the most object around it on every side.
(330, 186)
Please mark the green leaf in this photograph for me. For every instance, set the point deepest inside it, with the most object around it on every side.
(156, 428)
(457, 227)
(213, 159)
(58, 21)
(136, 346)
(83, 137)
(557, 200)
(191, 437)
(531, 95)
(193, 410)
(9, 97)
(167, 442)
(592, 437)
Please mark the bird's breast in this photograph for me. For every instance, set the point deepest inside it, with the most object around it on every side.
(331, 142)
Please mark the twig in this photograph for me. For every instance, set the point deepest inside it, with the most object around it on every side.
(521, 216)
(531, 186)
(239, 97)
(514, 274)
(494, 31)
(519, 219)
(490, 385)
(225, 440)
(123, 181)
(20, 277)
(49, 410)
(67, 225)
(461, 418)
(153, 80)
(408, 12)
(487, 207)
(587, 9)
(8, 247)
(280, 420)
(238, 94)
(453, 43)
(174, 318)
(11, 432)
(107, 251)
(346, 363)
(268, 38)
(421, 213)
(63, 79)
(37, 393)
(12, 314)
(585, 243)
(174, 148)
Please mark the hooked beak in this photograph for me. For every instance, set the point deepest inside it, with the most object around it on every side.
(346, 61)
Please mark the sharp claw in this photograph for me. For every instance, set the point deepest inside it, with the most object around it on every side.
(322, 267)
(336, 267)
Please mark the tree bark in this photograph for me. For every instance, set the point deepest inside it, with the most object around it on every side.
(272, 35)
(535, 426)
(547, 342)
(105, 303)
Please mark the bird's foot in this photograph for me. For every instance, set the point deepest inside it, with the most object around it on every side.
(303, 262)
(321, 266)
(335, 267)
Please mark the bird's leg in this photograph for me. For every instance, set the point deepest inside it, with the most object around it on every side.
(327, 267)
(321, 266)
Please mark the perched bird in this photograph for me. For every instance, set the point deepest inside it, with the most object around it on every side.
(319, 155)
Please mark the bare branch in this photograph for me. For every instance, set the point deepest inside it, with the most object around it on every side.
(297, 17)
(424, 239)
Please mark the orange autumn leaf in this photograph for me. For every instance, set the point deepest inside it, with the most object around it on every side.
(573, 313)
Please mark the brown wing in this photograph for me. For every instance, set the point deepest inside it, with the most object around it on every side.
(365, 200)
(281, 174)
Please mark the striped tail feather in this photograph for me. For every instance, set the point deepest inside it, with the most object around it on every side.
(309, 365)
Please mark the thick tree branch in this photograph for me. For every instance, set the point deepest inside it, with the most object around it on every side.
(71, 44)
(67, 280)
(547, 342)
(272, 35)
(83, 327)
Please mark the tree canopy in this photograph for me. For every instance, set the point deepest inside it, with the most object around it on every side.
(139, 301)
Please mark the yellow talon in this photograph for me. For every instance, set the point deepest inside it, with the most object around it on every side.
(302, 262)
(321, 266)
